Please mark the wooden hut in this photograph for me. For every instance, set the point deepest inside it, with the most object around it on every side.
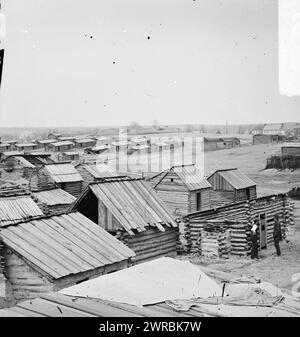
(45, 143)
(183, 189)
(53, 201)
(213, 144)
(231, 186)
(61, 146)
(85, 142)
(238, 218)
(52, 253)
(130, 209)
(98, 149)
(62, 175)
(259, 139)
(70, 156)
(291, 149)
(94, 172)
(4, 147)
(26, 146)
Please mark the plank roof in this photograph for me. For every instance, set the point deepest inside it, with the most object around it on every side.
(189, 174)
(62, 143)
(59, 246)
(25, 144)
(133, 203)
(17, 208)
(85, 140)
(100, 170)
(54, 197)
(235, 178)
(63, 172)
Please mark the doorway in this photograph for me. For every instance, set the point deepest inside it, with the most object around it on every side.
(262, 231)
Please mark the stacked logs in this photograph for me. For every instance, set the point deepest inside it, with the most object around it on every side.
(214, 242)
(194, 224)
(151, 244)
(240, 217)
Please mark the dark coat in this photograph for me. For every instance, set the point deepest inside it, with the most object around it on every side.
(253, 237)
(277, 231)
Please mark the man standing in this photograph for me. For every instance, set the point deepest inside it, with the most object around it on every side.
(254, 244)
(277, 234)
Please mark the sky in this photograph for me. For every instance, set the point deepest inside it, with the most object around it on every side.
(103, 63)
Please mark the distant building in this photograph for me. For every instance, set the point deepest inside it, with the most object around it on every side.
(4, 147)
(70, 156)
(213, 144)
(85, 142)
(45, 143)
(291, 149)
(274, 129)
(231, 186)
(26, 146)
(61, 146)
(97, 149)
(259, 139)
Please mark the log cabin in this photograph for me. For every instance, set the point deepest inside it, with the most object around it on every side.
(98, 149)
(183, 189)
(231, 186)
(26, 146)
(213, 144)
(62, 175)
(131, 210)
(69, 156)
(61, 146)
(291, 149)
(45, 143)
(259, 139)
(53, 201)
(51, 253)
(85, 142)
(238, 219)
(4, 147)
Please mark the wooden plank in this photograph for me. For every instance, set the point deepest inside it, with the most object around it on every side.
(32, 254)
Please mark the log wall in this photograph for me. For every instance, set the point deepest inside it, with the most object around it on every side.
(74, 188)
(241, 216)
(24, 280)
(151, 244)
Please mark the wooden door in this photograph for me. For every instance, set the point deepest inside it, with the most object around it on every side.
(262, 231)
